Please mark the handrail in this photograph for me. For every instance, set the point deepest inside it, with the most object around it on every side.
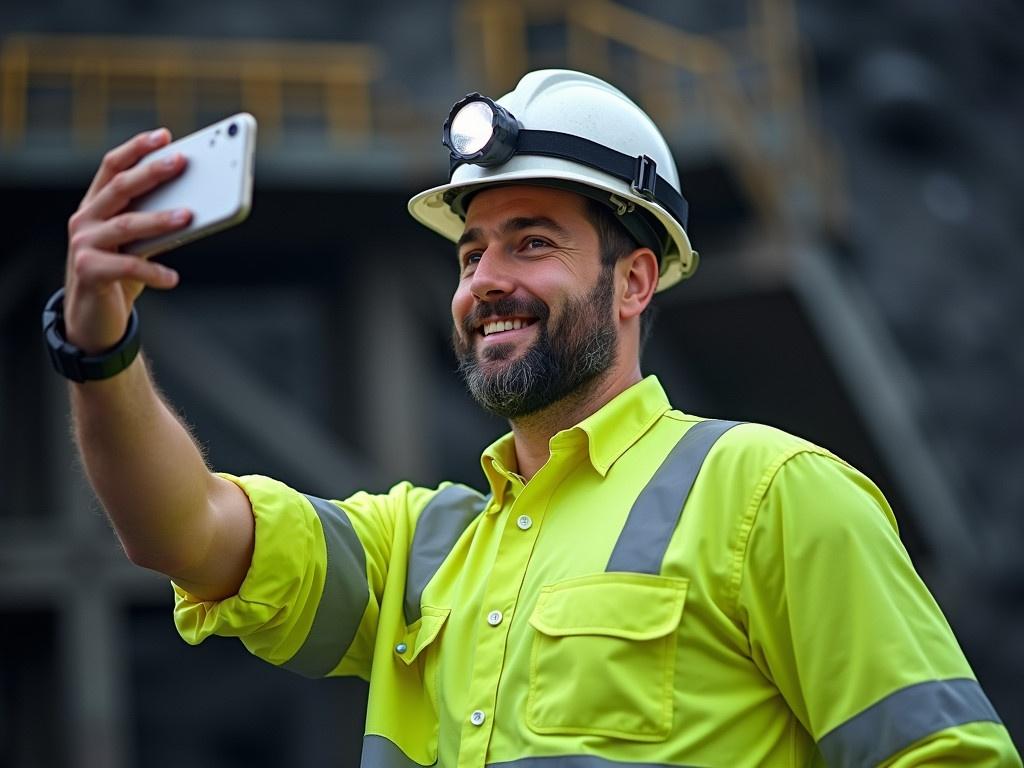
(169, 75)
(746, 85)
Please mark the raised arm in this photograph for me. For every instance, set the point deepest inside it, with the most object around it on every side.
(171, 514)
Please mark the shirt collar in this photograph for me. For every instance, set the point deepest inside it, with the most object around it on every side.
(624, 420)
(609, 434)
(496, 461)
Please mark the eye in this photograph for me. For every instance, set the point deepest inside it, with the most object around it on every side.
(470, 258)
(536, 242)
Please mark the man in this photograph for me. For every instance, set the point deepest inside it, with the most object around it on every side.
(638, 586)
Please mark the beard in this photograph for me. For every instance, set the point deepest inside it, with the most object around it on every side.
(565, 360)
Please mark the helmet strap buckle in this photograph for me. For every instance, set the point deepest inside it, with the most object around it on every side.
(645, 177)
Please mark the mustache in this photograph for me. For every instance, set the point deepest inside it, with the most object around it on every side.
(504, 307)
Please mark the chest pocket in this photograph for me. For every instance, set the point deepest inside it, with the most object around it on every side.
(603, 656)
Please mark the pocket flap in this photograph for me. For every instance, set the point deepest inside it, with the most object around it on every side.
(422, 632)
(634, 606)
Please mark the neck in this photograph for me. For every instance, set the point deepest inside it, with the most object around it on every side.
(533, 433)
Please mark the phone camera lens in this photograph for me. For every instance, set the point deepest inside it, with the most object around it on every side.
(232, 129)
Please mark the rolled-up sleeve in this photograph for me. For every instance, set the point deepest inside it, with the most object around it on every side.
(306, 591)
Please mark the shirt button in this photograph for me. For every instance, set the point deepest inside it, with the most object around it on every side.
(525, 522)
(401, 648)
(478, 717)
(494, 618)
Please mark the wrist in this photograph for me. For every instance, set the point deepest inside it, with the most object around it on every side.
(76, 364)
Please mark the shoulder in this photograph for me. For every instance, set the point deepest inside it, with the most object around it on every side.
(760, 445)
(780, 477)
(798, 489)
(373, 515)
(449, 509)
(750, 453)
(409, 501)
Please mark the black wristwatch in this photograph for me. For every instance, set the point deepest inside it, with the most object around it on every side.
(71, 362)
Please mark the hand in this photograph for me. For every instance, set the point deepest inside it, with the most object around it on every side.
(101, 284)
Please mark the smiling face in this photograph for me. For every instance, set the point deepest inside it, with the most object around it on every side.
(533, 313)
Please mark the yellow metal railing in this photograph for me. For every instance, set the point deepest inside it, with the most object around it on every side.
(742, 86)
(746, 85)
(329, 82)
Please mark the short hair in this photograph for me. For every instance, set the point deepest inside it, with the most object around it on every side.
(616, 242)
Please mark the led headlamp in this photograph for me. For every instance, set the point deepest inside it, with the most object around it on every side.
(481, 132)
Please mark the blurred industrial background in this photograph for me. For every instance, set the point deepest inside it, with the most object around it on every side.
(856, 185)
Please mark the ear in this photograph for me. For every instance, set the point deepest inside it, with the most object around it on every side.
(638, 278)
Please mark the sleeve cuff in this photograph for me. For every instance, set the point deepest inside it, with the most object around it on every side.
(276, 602)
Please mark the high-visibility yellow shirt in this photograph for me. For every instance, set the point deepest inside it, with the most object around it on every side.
(665, 591)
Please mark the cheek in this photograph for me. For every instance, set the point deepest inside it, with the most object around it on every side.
(462, 305)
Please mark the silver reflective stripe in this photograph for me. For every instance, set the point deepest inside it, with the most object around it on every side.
(439, 526)
(656, 511)
(901, 718)
(343, 600)
(575, 761)
(379, 752)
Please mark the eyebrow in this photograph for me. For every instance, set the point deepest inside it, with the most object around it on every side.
(516, 224)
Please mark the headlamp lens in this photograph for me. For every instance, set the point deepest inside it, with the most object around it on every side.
(472, 127)
(479, 131)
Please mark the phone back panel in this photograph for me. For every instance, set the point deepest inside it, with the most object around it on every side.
(216, 185)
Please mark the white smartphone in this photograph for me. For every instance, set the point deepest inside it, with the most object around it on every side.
(216, 185)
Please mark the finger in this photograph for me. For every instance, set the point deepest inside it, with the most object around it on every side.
(130, 184)
(129, 227)
(124, 157)
(95, 269)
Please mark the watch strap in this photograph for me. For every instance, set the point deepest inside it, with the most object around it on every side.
(72, 362)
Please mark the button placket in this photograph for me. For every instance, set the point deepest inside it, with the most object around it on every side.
(504, 583)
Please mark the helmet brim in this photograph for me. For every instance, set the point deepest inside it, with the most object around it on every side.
(431, 209)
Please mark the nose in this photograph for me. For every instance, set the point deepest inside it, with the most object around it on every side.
(491, 279)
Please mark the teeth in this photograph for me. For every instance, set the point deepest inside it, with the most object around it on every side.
(497, 326)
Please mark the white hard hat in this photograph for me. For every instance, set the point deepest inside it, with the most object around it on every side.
(573, 131)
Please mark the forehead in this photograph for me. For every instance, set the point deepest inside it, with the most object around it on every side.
(496, 204)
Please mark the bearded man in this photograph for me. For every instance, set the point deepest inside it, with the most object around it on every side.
(637, 587)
